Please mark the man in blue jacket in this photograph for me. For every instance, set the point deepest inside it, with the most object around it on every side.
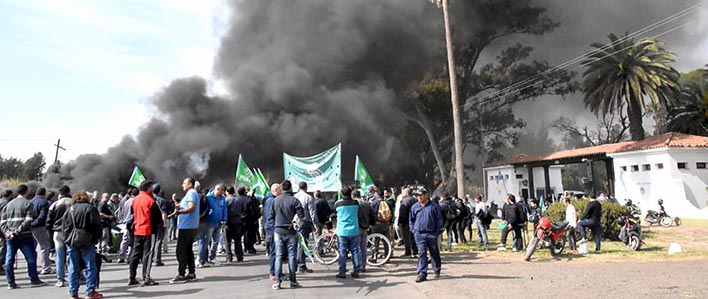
(40, 205)
(269, 227)
(217, 217)
(426, 223)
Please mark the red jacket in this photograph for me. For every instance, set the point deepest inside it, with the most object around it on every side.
(146, 214)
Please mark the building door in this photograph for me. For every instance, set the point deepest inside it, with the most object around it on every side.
(525, 193)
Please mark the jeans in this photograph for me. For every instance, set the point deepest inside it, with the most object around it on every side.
(351, 244)
(173, 228)
(428, 243)
(234, 233)
(363, 252)
(88, 255)
(518, 238)
(482, 233)
(142, 250)
(41, 236)
(285, 242)
(3, 250)
(184, 251)
(60, 255)
(26, 245)
(596, 230)
(159, 245)
(570, 236)
(305, 230)
(207, 243)
(269, 239)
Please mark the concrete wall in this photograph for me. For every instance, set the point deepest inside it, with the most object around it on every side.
(684, 191)
(503, 179)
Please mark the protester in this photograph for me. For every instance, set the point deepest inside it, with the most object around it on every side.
(307, 224)
(216, 218)
(514, 219)
(348, 233)
(481, 215)
(166, 208)
(4, 200)
(54, 221)
(572, 218)
(40, 205)
(462, 219)
(269, 227)
(147, 221)
(426, 223)
(383, 212)
(126, 217)
(237, 212)
(251, 224)
(284, 209)
(187, 224)
(203, 233)
(407, 203)
(81, 225)
(367, 218)
(173, 219)
(16, 226)
(107, 218)
(323, 213)
(450, 215)
(591, 219)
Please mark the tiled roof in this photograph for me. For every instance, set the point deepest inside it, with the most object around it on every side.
(664, 140)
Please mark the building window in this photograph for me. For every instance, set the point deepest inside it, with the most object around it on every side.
(659, 166)
(506, 176)
(701, 165)
(624, 168)
(491, 177)
(520, 176)
(646, 167)
(681, 165)
(635, 167)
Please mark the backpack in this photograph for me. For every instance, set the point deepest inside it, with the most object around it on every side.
(384, 212)
(451, 212)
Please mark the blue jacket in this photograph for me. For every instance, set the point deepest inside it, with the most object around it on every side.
(347, 217)
(217, 209)
(269, 224)
(283, 210)
(426, 219)
(40, 205)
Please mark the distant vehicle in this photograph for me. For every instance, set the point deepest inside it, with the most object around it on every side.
(576, 194)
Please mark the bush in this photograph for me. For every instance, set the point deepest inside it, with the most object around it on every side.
(610, 212)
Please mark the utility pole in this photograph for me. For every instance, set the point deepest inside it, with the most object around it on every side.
(58, 146)
(459, 167)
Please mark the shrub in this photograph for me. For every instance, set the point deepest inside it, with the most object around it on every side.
(610, 212)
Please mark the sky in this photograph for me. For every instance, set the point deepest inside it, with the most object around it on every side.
(83, 71)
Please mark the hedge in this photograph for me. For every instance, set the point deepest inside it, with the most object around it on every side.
(610, 212)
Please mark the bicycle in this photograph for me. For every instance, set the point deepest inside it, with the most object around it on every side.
(326, 249)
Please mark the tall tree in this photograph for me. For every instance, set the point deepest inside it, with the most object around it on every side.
(32, 168)
(636, 76)
(10, 168)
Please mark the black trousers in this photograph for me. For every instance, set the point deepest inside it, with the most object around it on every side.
(185, 253)
(408, 241)
(250, 236)
(234, 233)
(518, 238)
(142, 250)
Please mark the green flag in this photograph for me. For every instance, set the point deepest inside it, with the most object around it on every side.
(244, 174)
(303, 245)
(264, 182)
(136, 178)
(259, 186)
(362, 176)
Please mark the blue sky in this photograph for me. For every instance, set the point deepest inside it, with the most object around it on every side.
(83, 71)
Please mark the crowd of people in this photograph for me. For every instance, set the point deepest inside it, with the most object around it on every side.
(79, 230)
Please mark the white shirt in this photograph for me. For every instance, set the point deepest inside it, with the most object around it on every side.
(570, 215)
(397, 208)
(480, 206)
(308, 203)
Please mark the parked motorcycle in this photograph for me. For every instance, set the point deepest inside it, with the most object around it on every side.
(660, 217)
(631, 232)
(548, 235)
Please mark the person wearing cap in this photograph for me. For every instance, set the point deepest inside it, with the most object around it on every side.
(426, 223)
(283, 210)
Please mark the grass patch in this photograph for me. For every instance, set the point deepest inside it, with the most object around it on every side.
(691, 235)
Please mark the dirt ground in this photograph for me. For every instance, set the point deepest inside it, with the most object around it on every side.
(468, 275)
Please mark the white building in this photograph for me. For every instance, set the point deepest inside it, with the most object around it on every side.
(671, 167)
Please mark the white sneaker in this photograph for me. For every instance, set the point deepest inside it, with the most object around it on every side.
(514, 249)
(59, 284)
(501, 248)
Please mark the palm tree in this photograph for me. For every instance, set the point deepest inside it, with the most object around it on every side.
(690, 116)
(638, 75)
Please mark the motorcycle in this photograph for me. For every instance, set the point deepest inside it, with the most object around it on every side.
(660, 217)
(631, 232)
(548, 235)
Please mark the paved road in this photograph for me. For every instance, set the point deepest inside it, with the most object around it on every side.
(464, 276)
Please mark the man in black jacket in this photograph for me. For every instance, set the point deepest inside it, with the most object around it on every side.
(82, 228)
(512, 214)
(592, 219)
(40, 205)
(237, 212)
(16, 226)
(407, 203)
(284, 209)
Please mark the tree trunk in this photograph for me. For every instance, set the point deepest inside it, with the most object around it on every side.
(424, 123)
(634, 112)
(455, 102)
